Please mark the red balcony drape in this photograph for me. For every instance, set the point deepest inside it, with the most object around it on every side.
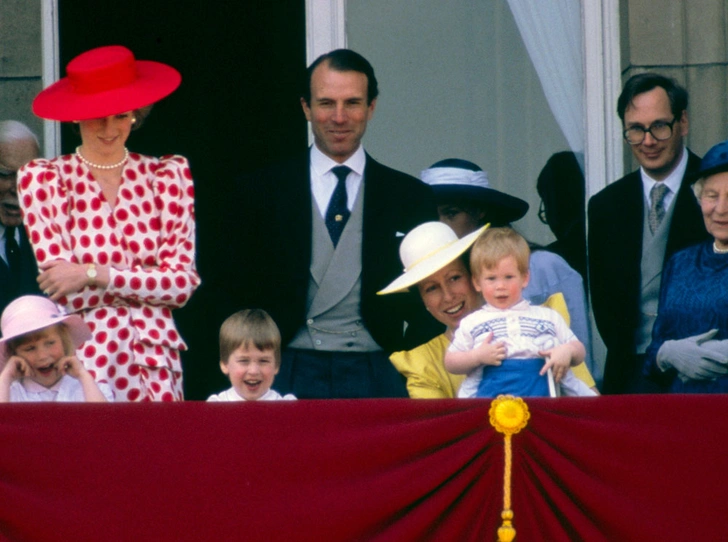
(642, 468)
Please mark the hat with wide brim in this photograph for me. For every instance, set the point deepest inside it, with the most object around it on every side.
(33, 312)
(105, 81)
(714, 161)
(427, 249)
(456, 180)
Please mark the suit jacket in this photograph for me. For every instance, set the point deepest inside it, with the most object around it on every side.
(267, 232)
(28, 285)
(616, 217)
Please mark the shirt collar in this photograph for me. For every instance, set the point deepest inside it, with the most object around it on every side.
(322, 164)
(672, 181)
(31, 386)
(522, 305)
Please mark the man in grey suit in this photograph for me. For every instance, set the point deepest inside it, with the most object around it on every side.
(318, 236)
(18, 268)
(638, 222)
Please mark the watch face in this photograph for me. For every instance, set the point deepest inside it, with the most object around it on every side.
(91, 273)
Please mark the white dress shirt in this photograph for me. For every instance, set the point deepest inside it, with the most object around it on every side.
(323, 181)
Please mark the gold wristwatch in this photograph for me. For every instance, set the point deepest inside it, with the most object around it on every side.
(91, 273)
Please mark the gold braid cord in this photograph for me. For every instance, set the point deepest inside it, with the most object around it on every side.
(508, 415)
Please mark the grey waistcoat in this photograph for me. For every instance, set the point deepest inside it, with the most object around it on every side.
(333, 319)
(653, 257)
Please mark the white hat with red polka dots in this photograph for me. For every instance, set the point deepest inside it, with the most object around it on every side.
(32, 313)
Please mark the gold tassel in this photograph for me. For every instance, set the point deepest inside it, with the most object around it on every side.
(508, 415)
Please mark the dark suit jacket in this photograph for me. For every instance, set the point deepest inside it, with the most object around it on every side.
(267, 231)
(28, 285)
(616, 216)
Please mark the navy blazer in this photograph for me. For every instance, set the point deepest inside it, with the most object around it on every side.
(266, 229)
(616, 217)
(28, 284)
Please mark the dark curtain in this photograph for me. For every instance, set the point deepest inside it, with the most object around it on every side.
(237, 109)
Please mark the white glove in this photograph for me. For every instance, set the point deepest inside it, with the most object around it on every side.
(693, 359)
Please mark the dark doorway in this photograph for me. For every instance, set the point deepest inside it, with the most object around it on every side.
(237, 109)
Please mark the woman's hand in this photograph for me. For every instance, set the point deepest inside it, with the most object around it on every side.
(694, 358)
(59, 278)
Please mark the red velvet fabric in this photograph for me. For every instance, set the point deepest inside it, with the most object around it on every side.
(608, 468)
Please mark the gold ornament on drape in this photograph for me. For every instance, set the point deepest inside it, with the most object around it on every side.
(508, 415)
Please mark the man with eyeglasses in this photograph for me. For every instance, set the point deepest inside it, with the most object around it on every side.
(18, 269)
(638, 222)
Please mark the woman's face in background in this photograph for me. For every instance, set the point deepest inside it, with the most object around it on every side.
(462, 221)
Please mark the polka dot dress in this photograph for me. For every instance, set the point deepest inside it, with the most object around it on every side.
(147, 239)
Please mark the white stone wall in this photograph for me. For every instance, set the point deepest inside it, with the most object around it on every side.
(687, 40)
(20, 60)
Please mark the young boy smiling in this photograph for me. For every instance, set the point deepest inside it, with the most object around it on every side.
(250, 356)
(508, 345)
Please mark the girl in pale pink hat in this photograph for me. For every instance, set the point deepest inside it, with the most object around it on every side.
(38, 355)
(114, 231)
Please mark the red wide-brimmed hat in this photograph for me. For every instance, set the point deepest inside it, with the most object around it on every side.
(105, 81)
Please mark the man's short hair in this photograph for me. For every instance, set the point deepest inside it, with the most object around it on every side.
(493, 245)
(246, 327)
(645, 82)
(343, 60)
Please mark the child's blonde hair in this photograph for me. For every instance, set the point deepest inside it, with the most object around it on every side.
(493, 245)
(69, 349)
(246, 327)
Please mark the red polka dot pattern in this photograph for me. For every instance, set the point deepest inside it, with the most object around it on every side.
(148, 240)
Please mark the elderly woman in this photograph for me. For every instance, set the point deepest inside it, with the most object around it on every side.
(466, 202)
(689, 350)
(435, 263)
(114, 231)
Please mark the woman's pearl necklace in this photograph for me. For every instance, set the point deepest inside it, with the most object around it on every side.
(99, 166)
(719, 250)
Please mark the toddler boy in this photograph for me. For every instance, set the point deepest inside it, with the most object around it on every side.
(508, 345)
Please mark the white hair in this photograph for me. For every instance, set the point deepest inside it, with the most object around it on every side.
(13, 130)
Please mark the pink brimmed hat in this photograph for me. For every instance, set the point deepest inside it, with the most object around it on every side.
(105, 81)
(32, 313)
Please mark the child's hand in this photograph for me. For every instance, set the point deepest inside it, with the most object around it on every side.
(558, 359)
(71, 366)
(15, 369)
(490, 353)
